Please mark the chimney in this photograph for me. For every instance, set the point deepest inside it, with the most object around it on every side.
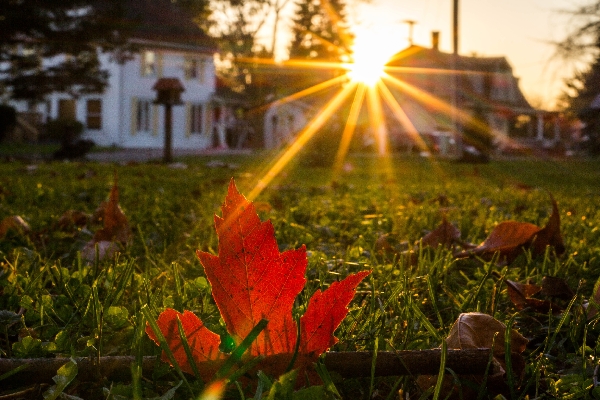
(435, 40)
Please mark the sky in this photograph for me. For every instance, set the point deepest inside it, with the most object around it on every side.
(520, 30)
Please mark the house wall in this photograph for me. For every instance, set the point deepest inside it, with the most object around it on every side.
(128, 99)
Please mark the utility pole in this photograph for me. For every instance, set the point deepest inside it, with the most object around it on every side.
(455, 28)
(410, 23)
(455, 127)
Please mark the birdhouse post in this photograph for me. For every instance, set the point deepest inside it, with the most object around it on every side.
(168, 93)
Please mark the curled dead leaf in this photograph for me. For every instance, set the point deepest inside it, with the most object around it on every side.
(556, 287)
(520, 294)
(115, 232)
(15, 223)
(446, 235)
(477, 330)
(508, 239)
(73, 218)
(592, 308)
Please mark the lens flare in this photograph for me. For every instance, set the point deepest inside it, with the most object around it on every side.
(369, 57)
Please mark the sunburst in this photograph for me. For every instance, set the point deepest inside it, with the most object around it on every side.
(364, 86)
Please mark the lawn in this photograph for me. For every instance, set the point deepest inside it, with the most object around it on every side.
(55, 303)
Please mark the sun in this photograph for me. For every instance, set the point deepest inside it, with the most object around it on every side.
(369, 56)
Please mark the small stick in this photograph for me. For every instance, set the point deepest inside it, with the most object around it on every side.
(346, 364)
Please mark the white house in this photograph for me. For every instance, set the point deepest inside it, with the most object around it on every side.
(170, 45)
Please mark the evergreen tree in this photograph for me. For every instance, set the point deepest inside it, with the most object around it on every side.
(52, 45)
(583, 44)
(582, 90)
(320, 31)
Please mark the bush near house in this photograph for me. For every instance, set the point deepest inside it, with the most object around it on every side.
(67, 132)
(8, 119)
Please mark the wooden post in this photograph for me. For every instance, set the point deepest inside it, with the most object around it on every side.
(168, 150)
(168, 93)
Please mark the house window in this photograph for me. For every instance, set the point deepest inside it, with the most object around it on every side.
(143, 116)
(94, 114)
(66, 109)
(194, 68)
(149, 63)
(190, 67)
(196, 119)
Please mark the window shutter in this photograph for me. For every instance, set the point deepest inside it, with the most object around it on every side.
(154, 119)
(207, 119)
(159, 62)
(134, 111)
(188, 119)
(142, 63)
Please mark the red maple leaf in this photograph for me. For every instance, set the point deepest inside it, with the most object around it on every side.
(251, 280)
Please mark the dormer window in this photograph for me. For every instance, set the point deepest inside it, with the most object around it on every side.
(149, 63)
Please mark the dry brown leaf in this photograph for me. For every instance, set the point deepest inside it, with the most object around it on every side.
(508, 239)
(115, 231)
(592, 308)
(73, 218)
(550, 235)
(15, 223)
(477, 330)
(520, 295)
(556, 287)
(116, 227)
(446, 234)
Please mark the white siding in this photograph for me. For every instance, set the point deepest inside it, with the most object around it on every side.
(126, 84)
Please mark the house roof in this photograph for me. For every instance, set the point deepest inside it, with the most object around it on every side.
(468, 66)
(164, 22)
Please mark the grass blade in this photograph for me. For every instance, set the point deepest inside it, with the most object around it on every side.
(188, 350)
(237, 353)
(164, 345)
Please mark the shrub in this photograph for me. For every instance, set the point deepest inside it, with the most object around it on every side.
(8, 119)
(65, 131)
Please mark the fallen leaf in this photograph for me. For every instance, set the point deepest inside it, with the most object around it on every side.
(116, 227)
(592, 308)
(446, 234)
(520, 295)
(474, 331)
(251, 280)
(203, 343)
(15, 223)
(556, 287)
(115, 231)
(509, 238)
(73, 218)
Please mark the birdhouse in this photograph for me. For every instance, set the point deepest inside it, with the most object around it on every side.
(168, 91)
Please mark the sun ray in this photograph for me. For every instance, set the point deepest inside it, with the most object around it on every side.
(378, 126)
(402, 118)
(377, 120)
(304, 136)
(306, 92)
(434, 102)
(349, 129)
(432, 71)
(291, 63)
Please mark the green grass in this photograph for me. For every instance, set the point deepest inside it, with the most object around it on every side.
(71, 307)
(27, 149)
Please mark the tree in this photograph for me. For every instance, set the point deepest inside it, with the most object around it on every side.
(52, 45)
(582, 40)
(320, 31)
(583, 44)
